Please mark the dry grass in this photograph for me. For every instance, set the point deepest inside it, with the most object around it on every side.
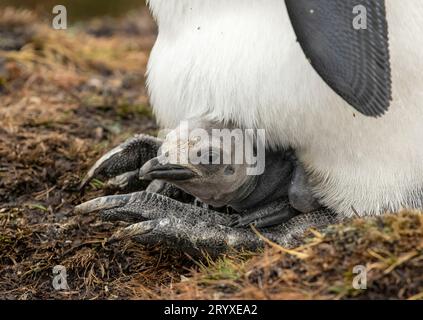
(391, 248)
(66, 97)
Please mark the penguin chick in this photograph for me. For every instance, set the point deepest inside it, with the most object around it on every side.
(261, 199)
(218, 183)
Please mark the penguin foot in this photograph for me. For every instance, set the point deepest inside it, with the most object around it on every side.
(155, 219)
(121, 164)
(266, 216)
(269, 214)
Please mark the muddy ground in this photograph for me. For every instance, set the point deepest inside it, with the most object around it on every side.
(68, 96)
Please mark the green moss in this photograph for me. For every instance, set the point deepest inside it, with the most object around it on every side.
(97, 184)
(224, 268)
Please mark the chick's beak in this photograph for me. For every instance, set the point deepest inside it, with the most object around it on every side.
(156, 169)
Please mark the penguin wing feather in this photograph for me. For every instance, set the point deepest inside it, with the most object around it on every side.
(346, 41)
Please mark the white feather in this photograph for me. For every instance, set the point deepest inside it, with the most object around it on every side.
(239, 60)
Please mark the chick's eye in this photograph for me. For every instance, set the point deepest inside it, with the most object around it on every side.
(210, 158)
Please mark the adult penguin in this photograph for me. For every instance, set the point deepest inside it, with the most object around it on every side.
(339, 81)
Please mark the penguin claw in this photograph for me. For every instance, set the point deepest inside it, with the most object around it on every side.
(129, 181)
(134, 230)
(124, 159)
(103, 203)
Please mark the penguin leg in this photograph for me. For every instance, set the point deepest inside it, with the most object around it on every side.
(121, 164)
(157, 219)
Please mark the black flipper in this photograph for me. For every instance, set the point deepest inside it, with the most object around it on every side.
(354, 62)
